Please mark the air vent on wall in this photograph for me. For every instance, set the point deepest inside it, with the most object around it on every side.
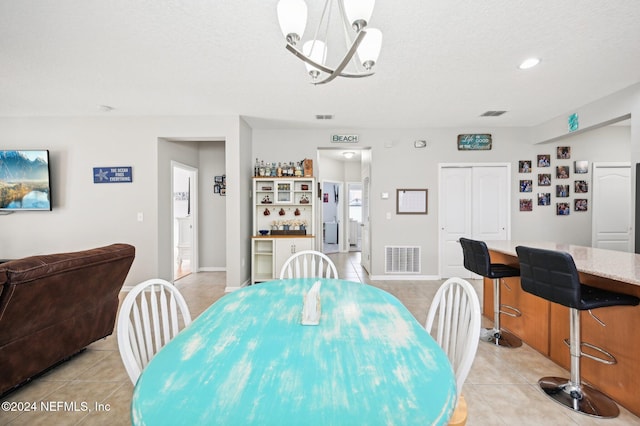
(492, 113)
(402, 259)
(324, 117)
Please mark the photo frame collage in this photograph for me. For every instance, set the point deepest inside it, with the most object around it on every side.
(558, 181)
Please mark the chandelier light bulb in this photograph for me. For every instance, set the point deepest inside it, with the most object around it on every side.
(360, 50)
(369, 49)
(292, 16)
(359, 12)
(316, 50)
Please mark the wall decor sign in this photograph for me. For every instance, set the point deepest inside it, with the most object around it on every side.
(345, 138)
(573, 122)
(112, 175)
(474, 142)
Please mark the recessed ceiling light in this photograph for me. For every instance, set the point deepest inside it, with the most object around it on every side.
(529, 63)
(348, 155)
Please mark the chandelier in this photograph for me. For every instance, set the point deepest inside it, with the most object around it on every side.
(362, 44)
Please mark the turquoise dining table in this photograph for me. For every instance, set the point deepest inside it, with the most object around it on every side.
(248, 360)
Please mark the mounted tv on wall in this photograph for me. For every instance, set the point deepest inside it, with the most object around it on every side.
(25, 180)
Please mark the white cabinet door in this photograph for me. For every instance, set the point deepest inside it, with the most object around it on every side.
(285, 247)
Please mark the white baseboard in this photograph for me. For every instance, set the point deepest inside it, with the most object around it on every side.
(229, 289)
(404, 277)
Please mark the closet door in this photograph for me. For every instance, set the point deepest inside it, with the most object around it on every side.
(473, 203)
(455, 214)
(490, 207)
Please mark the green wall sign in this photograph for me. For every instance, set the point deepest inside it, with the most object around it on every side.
(474, 142)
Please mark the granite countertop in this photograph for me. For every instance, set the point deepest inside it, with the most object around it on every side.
(615, 265)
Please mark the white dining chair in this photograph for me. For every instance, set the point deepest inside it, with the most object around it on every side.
(151, 315)
(455, 312)
(308, 264)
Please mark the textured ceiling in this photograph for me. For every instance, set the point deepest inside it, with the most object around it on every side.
(443, 62)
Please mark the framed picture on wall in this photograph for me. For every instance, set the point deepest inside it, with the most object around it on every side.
(581, 187)
(563, 209)
(526, 185)
(544, 179)
(563, 152)
(562, 172)
(562, 191)
(581, 166)
(544, 198)
(544, 160)
(526, 204)
(581, 205)
(524, 166)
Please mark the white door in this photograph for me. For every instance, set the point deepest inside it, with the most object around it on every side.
(612, 207)
(490, 208)
(185, 219)
(473, 203)
(455, 219)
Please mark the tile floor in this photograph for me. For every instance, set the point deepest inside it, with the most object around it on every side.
(500, 390)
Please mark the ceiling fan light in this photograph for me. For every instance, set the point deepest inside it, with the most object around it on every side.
(369, 49)
(358, 12)
(316, 50)
(292, 16)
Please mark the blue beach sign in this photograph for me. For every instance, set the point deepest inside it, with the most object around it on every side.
(112, 175)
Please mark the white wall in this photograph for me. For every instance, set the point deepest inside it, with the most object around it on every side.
(213, 216)
(87, 215)
(403, 166)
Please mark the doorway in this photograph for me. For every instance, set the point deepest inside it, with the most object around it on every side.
(332, 217)
(354, 224)
(183, 208)
(347, 166)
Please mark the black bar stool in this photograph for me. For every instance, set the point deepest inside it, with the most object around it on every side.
(477, 260)
(553, 276)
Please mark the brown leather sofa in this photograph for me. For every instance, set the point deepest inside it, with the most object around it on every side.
(53, 306)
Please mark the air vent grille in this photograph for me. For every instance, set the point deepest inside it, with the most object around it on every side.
(492, 113)
(402, 259)
(324, 117)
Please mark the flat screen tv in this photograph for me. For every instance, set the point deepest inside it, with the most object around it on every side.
(25, 180)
